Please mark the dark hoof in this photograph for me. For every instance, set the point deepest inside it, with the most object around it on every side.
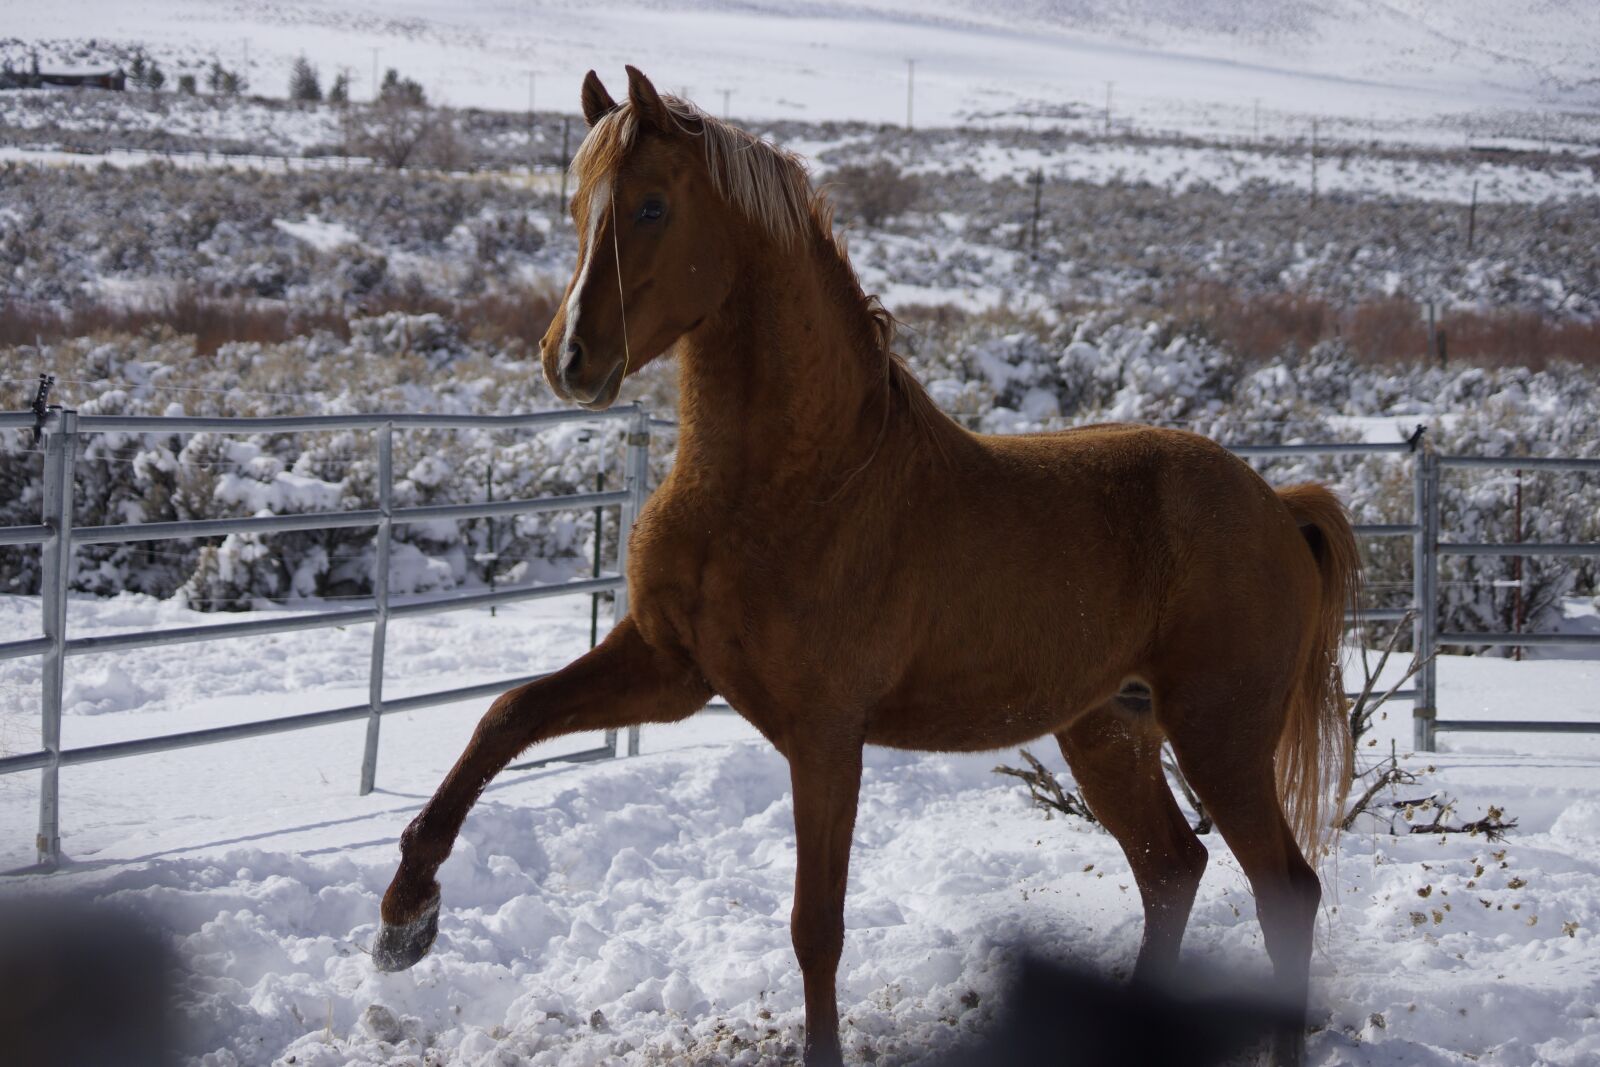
(1288, 1047)
(399, 947)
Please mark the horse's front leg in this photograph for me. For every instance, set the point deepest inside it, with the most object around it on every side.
(826, 778)
(620, 682)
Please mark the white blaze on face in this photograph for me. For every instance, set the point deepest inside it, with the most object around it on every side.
(598, 198)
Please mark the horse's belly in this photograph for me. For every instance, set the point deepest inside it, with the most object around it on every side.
(968, 725)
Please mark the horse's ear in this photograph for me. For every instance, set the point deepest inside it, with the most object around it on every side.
(597, 103)
(645, 100)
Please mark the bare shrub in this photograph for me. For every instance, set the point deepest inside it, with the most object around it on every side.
(522, 316)
(1515, 337)
(1388, 330)
(873, 192)
(517, 317)
(212, 320)
(394, 131)
(1044, 789)
(1255, 327)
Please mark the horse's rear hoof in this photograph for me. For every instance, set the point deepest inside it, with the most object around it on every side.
(398, 947)
(1288, 1047)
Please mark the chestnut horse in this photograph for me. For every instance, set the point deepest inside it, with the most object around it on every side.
(847, 566)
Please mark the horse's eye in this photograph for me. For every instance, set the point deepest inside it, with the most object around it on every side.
(652, 210)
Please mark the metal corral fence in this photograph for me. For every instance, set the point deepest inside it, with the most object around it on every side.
(1427, 723)
(57, 535)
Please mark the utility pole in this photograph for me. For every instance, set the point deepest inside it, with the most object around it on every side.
(1258, 121)
(1033, 228)
(1472, 216)
(1313, 162)
(1108, 107)
(727, 112)
(533, 133)
(566, 162)
(911, 85)
(347, 73)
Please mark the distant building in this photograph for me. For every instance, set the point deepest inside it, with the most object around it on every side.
(114, 79)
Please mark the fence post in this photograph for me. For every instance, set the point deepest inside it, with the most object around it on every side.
(380, 599)
(594, 599)
(1426, 583)
(61, 448)
(637, 474)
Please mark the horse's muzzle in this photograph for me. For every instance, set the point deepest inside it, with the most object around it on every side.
(580, 377)
(603, 396)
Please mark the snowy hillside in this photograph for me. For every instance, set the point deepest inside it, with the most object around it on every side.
(1173, 65)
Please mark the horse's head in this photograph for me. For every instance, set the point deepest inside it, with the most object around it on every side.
(653, 247)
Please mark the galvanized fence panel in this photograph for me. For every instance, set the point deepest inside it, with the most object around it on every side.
(1428, 728)
(61, 430)
(57, 537)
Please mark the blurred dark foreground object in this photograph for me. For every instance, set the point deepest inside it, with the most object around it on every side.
(81, 987)
(1056, 1015)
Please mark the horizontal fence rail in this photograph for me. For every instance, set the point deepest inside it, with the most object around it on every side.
(61, 430)
(1517, 548)
(57, 538)
(1521, 463)
(336, 520)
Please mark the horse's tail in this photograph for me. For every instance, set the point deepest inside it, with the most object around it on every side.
(1314, 751)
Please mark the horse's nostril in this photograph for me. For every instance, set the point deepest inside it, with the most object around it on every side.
(574, 356)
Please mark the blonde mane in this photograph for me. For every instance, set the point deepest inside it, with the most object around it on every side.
(771, 187)
(766, 184)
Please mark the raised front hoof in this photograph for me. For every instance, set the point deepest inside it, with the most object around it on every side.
(401, 945)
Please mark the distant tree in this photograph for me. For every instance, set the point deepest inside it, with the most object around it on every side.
(398, 90)
(138, 70)
(220, 79)
(339, 91)
(187, 85)
(303, 82)
(156, 78)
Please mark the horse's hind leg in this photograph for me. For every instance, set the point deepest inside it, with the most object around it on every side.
(1117, 763)
(620, 682)
(1226, 753)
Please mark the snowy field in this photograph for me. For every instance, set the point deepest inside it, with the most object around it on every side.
(1411, 69)
(637, 911)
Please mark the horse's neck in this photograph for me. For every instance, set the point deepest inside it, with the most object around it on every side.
(779, 387)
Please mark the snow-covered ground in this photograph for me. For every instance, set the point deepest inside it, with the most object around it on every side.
(655, 891)
(1227, 167)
